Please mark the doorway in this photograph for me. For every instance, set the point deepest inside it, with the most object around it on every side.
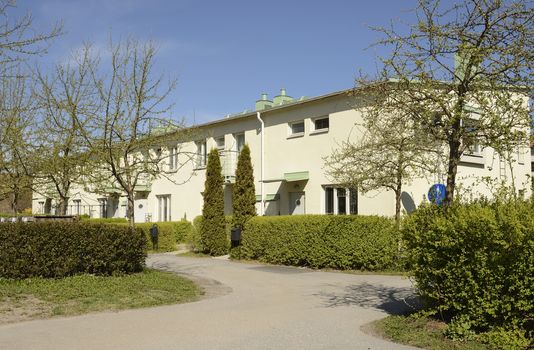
(297, 203)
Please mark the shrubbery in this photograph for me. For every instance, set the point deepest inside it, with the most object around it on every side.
(474, 264)
(193, 237)
(318, 241)
(57, 249)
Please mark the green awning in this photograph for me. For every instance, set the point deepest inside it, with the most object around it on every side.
(268, 197)
(298, 176)
(142, 188)
(113, 190)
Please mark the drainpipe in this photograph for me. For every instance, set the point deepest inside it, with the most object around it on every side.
(262, 200)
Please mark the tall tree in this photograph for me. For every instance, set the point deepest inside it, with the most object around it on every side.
(386, 154)
(244, 190)
(131, 137)
(17, 125)
(67, 104)
(213, 227)
(463, 71)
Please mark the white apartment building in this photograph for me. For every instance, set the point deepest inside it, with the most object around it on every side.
(288, 139)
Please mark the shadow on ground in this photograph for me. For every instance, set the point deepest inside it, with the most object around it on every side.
(392, 300)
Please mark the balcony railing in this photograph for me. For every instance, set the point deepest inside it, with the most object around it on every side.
(229, 164)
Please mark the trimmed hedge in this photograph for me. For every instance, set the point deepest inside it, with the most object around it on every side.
(166, 236)
(320, 241)
(58, 249)
(474, 264)
(105, 220)
(193, 237)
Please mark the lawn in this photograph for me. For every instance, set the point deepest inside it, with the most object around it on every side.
(421, 332)
(42, 298)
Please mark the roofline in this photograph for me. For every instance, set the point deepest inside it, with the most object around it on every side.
(348, 92)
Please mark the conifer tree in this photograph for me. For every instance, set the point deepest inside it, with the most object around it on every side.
(213, 228)
(244, 194)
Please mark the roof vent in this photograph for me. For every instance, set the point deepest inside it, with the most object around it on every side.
(282, 98)
(263, 103)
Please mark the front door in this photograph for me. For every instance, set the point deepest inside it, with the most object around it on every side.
(296, 203)
(140, 210)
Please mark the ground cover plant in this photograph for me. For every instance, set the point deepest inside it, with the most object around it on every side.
(41, 298)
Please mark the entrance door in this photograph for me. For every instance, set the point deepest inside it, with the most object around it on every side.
(140, 210)
(296, 203)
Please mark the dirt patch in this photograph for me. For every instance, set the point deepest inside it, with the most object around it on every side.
(23, 308)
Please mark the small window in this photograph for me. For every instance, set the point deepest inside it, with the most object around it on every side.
(297, 128)
(353, 201)
(341, 201)
(219, 141)
(474, 150)
(520, 155)
(173, 158)
(239, 141)
(202, 154)
(329, 200)
(321, 124)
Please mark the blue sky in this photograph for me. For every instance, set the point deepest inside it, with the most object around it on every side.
(225, 53)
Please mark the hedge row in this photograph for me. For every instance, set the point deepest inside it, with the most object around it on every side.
(57, 249)
(319, 241)
(475, 264)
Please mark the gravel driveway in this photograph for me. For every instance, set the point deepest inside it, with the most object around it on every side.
(245, 306)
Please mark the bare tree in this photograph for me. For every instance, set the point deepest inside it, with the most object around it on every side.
(132, 140)
(67, 102)
(464, 72)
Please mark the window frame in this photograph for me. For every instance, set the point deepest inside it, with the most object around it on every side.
(238, 147)
(164, 207)
(320, 130)
(202, 154)
(335, 192)
(291, 133)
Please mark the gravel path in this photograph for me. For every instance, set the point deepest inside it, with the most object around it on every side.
(245, 306)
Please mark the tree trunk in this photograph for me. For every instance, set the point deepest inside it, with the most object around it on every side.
(15, 201)
(63, 205)
(454, 159)
(398, 205)
(130, 209)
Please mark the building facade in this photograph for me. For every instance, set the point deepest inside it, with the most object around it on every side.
(289, 140)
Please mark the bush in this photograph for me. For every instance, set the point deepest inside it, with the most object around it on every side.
(166, 235)
(104, 220)
(193, 237)
(474, 263)
(319, 241)
(182, 230)
(58, 249)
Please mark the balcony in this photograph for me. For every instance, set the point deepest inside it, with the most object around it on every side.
(229, 164)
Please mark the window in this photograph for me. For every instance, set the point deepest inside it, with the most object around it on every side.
(173, 158)
(338, 199)
(321, 124)
(103, 207)
(41, 207)
(474, 150)
(219, 141)
(77, 206)
(239, 141)
(520, 155)
(164, 207)
(202, 154)
(297, 128)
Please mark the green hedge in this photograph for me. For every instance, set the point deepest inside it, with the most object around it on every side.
(192, 238)
(105, 220)
(319, 241)
(474, 264)
(57, 249)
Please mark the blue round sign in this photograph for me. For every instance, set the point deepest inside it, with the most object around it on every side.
(436, 193)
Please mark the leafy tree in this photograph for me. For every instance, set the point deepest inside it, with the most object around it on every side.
(464, 72)
(387, 155)
(212, 230)
(128, 141)
(244, 190)
(67, 105)
(17, 152)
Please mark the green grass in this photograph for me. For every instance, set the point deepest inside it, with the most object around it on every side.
(420, 332)
(38, 297)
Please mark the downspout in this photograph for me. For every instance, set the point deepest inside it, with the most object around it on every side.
(262, 198)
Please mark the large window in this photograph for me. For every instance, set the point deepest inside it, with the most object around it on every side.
(103, 207)
(219, 141)
(164, 207)
(202, 154)
(340, 200)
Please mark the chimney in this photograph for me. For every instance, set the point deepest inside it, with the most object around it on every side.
(263, 103)
(282, 98)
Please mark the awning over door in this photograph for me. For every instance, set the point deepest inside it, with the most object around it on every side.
(297, 176)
